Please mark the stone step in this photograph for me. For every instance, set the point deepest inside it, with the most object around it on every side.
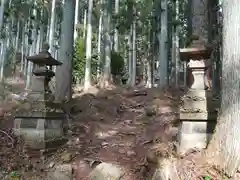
(191, 104)
(199, 93)
(202, 104)
(198, 116)
(41, 139)
(39, 123)
(189, 127)
(39, 132)
(193, 141)
(194, 134)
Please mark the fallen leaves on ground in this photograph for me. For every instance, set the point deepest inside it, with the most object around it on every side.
(110, 126)
(120, 129)
(116, 126)
(194, 166)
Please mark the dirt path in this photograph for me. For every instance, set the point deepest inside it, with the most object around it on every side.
(121, 126)
(117, 126)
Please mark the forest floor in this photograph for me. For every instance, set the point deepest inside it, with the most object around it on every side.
(121, 126)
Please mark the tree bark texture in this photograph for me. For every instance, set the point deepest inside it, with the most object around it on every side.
(225, 146)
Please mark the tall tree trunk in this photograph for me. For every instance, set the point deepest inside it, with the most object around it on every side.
(125, 56)
(41, 32)
(215, 38)
(52, 28)
(2, 12)
(176, 38)
(23, 46)
(130, 56)
(99, 40)
(33, 46)
(134, 63)
(163, 41)
(116, 43)
(87, 80)
(3, 45)
(76, 20)
(106, 78)
(16, 46)
(3, 58)
(38, 42)
(174, 77)
(150, 54)
(64, 72)
(27, 47)
(225, 145)
(84, 23)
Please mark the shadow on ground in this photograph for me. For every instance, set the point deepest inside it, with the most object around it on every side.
(119, 126)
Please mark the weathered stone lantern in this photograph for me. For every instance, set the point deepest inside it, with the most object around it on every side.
(40, 120)
(198, 112)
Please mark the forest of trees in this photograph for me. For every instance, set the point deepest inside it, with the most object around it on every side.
(129, 37)
(127, 43)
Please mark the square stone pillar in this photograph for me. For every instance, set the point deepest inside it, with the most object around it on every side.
(198, 71)
(197, 114)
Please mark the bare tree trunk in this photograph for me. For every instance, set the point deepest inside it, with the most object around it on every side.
(130, 56)
(134, 61)
(84, 23)
(176, 45)
(106, 78)
(87, 80)
(3, 57)
(64, 72)
(23, 47)
(225, 145)
(76, 20)
(116, 30)
(2, 12)
(163, 41)
(99, 40)
(52, 28)
(27, 48)
(32, 48)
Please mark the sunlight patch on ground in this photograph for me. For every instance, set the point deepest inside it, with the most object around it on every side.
(166, 109)
(79, 91)
(107, 171)
(103, 135)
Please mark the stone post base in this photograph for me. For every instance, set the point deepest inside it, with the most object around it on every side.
(195, 130)
(40, 132)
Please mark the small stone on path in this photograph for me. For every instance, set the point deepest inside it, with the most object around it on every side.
(66, 157)
(62, 172)
(107, 171)
(131, 153)
(51, 165)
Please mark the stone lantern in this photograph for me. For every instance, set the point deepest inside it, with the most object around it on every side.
(40, 120)
(198, 112)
